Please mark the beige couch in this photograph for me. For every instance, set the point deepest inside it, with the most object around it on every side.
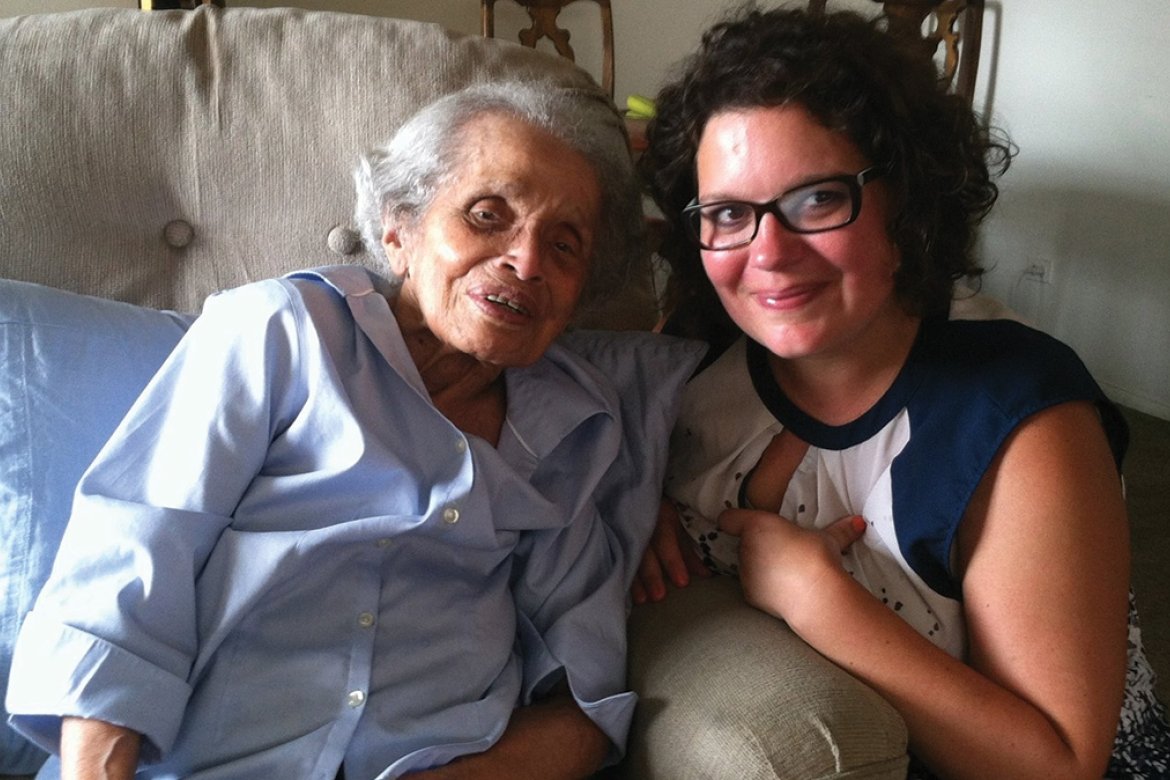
(155, 158)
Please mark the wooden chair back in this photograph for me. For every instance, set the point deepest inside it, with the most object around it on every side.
(543, 14)
(954, 25)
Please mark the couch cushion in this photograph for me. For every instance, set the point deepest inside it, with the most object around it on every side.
(728, 691)
(72, 365)
(156, 158)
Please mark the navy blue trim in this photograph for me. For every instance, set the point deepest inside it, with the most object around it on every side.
(966, 386)
(817, 433)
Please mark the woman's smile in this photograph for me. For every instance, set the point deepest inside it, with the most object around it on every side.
(511, 305)
(799, 294)
(789, 298)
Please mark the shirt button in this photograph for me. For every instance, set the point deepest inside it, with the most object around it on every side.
(450, 515)
(382, 543)
(461, 446)
(356, 698)
(366, 619)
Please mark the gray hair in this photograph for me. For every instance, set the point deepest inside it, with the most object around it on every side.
(399, 179)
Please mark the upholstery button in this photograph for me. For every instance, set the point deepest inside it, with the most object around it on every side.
(356, 698)
(450, 516)
(178, 233)
(366, 619)
(343, 240)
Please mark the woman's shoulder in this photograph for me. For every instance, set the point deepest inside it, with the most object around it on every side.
(311, 298)
(987, 338)
(256, 302)
(998, 372)
(1006, 360)
(277, 322)
(720, 405)
(640, 372)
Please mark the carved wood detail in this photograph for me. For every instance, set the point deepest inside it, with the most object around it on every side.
(954, 25)
(543, 14)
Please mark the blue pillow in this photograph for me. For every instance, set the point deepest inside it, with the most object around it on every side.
(70, 367)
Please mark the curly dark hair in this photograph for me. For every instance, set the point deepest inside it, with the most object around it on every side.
(856, 79)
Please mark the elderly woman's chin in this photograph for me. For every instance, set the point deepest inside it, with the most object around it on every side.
(504, 333)
(512, 336)
(493, 324)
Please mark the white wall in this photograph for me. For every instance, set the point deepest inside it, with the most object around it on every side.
(1081, 86)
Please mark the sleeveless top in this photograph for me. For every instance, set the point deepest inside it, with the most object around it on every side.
(909, 466)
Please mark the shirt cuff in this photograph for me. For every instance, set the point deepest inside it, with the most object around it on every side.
(612, 715)
(543, 670)
(60, 671)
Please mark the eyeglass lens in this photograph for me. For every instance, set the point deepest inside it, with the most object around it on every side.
(813, 208)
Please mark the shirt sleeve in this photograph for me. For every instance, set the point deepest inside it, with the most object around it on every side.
(113, 634)
(573, 586)
(571, 617)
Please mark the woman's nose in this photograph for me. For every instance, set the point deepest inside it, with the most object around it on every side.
(774, 244)
(525, 256)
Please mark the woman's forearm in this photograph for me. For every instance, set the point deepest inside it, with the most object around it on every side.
(961, 722)
(96, 750)
(549, 740)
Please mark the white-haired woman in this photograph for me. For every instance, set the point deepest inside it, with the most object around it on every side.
(353, 526)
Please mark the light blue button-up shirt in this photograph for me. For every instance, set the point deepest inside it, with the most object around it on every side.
(287, 558)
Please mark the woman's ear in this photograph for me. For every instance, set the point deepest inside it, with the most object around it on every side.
(393, 246)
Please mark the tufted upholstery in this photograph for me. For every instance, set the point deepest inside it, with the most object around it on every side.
(155, 158)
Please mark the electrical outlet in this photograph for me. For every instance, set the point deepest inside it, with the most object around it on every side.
(1039, 271)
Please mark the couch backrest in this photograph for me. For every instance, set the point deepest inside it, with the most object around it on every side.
(157, 157)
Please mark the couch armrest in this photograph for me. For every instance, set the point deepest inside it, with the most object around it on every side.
(729, 692)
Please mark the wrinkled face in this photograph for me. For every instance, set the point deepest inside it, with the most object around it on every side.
(796, 294)
(495, 266)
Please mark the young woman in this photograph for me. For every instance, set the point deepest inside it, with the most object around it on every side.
(934, 505)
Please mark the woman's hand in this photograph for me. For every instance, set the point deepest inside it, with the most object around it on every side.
(781, 565)
(670, 555)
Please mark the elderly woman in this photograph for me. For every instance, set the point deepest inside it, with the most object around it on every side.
(353, 524)
(932, 504)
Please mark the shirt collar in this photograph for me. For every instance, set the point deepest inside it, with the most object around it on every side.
(547, 401)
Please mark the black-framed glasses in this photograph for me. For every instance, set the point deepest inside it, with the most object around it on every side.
(825, 204)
